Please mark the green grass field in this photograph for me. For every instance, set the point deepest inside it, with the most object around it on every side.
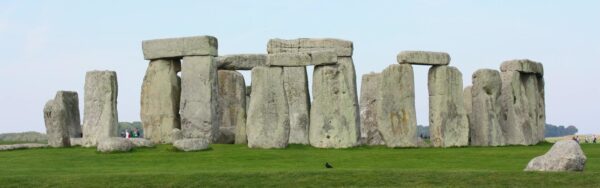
(296, 166)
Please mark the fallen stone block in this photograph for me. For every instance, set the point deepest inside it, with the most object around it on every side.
(564, 155)
(191, 144)
(114, 144)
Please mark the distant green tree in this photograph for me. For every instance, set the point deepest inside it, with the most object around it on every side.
(556, 131)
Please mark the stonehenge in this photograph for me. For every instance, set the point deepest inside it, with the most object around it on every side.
(191, 97)
(61, 116)
(485, 114)
(523, 104)
(100, 117)
(396, 114)
(161, 90)
(448, 123)
(369, 93)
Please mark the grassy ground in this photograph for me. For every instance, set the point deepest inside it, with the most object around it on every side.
(296, 166)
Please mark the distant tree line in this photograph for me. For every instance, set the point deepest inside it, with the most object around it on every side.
(556, 131)
(551, 130)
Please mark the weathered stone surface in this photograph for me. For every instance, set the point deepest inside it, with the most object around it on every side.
(340, 47)
(334, 115)
(241, 61)
(323, 57)
(76, 141)
(468, 99)
(396, 116)
(448, 123)
(226, 135)
(369, 93)
(199, 94)
(22, 146)
(114, 144)
(523, 108)
(288, 59)
(268, 122)
(564, 155)
(484, 128)
(160, 100)
(61, 117)
(100, 118)
(179, 47)
(423, 58)
(232, 103)
(176, 134)
(295, 83)
(522, 65)
(191, 144)
(141, 142)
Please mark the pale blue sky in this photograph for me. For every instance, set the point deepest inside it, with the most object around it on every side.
(47, 46)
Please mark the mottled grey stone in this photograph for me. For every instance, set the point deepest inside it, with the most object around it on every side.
(180, 47)
(448, 123)
(199, 94)
(114, 144)
(369, 93)
(100, 118)
(268, 122)
(485, 129)
(342, 48)
(523, 108)
(226, 135)
(191, 144)
(564, 155)
(423, 58)
(22, 146)
(522, 65)
(160, 100)
(241, 61)
(61, 117)
(176, 134)
(141, 142)
(334, 115)
(295, 83)
(396, 115)
(468, 99)
(288, 59)
(232, 104)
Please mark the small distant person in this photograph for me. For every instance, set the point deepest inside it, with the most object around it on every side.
(576, 139)
(594, 141)
(126, 133)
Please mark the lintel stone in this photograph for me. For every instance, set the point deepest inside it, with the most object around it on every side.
(522, 65)
(241, 61)
(423, 58)
(179, 47)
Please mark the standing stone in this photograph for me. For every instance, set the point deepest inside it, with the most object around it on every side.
(295, 83)
(369, 92)
(523, 107)
(100, 118)
(334, 115)
(61, 116)
(199, 93)
(396, 113)
(448, 123)
(232, 104)
(268, 123)
(160, 100)
(485, 129)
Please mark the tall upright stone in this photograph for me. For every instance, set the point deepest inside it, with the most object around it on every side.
(448, 123)
(100, 117)
(334, 115)
(199, 93)
(523, 102)
(396, 113)
(161, 90)
(268, 122)
(369, 93)
(295, 83)
(468, 99)
(61, 116)
(232, 104)
(484, 128)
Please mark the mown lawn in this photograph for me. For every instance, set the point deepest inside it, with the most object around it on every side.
(296, 166)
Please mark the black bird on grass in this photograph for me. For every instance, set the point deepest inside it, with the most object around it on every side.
(327, 165)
